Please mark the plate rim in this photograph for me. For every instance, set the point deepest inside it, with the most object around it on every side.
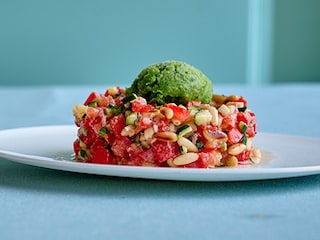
(157, 173)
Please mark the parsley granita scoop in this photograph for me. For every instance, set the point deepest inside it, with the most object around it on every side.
(172, 81)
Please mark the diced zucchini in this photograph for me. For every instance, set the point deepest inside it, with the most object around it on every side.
(184, 130)
(202, 117)
(93, 104)
(195, 108)
(183, 149)
(224, 146)
(109, 112)
(132, 118)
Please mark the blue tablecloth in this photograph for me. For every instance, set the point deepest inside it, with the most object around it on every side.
(38, 203)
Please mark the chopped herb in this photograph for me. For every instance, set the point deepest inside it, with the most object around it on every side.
(83, 153)
(117, 111)
(251, 160)
(113, 110)
(245, 139)
(244, 132)
(244, 128)
(242, 109)
(119, 95)
(129, 98)
(103, 131)
(199, 144)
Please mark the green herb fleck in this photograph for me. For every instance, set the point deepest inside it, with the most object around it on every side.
(103, 131)
(244, 132)
(83, 153)
(116, 110)
(245, 139)
(199, 144)
(129, 98)
(242, 109)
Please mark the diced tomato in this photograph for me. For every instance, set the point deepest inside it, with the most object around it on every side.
(99, 99)
(244, 117)
(110, 138)
(144, 122)
(86, 135)
(92, 97)
(179, 113)
(104, 101)
(206, 159)
(120, 146)
(234, 136)
(117, 123)
(199, 133)
(165, 150)
(229, 122)
(139, 105)
(193, 103)
(92, 113)
(76, 146)
(99, 153)
(249, 119)
(241, 99)
(141, 157)
(244, 156)
(163, 124)
(148, 157)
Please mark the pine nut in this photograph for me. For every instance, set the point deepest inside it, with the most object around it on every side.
(185, 159)
(256, 153)
(167, 112)
(224, 110)
(128, 131)
(232, 98)
(176, 122)
(166, 136)
(191, 147)
(214, 135)
(148, 133)
(215, 115)
(79, 111)
(219, 99)
(231, 161)
(255, 160)
(170, 163)
(236, 104)
(236, 148)
(113, 91)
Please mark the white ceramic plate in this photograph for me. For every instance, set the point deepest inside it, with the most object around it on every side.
(51, 147)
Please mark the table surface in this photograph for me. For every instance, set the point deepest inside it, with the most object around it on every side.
(39, 203)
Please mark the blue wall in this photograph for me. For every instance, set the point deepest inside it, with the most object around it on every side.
(296, 41)
(109, 42)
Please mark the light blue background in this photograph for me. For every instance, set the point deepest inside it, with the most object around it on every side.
(109, 42)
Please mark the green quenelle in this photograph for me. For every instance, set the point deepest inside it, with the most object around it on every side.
(172, 81)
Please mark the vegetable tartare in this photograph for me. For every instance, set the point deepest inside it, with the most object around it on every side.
(123, 128)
